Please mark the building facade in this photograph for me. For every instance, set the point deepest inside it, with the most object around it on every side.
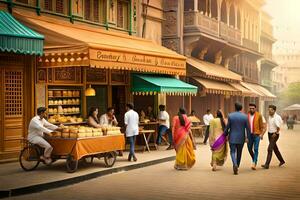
(221, 39)
(288, 66)
(105, 46)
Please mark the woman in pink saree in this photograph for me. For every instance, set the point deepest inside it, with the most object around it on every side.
(185, 156)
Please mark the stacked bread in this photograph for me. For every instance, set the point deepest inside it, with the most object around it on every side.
(64, 119)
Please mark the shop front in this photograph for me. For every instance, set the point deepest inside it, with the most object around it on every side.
(19, 46)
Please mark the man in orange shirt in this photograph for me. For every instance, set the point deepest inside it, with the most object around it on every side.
(257, 131)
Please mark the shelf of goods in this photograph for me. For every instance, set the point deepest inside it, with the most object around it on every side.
(84, 131)
(63, 102)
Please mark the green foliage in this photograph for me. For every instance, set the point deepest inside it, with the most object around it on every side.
(290, 96)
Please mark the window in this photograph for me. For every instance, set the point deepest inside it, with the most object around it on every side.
(122, 14)
(95, 10)
(22, 1)
(58, 6)
(87, 9)
(48, 5)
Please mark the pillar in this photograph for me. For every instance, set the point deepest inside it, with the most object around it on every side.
(195, 5)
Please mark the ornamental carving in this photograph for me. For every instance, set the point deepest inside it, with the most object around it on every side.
(42, 75)
(67, 74)
(170, 24)
(96, 75)
(172, 44)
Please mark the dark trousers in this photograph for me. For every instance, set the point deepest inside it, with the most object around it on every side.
(236, 153)
(273, 147)
(206, 134)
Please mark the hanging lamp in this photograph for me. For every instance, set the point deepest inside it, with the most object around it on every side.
(90, 91)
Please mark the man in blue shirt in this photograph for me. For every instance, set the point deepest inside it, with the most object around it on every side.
(238, 131)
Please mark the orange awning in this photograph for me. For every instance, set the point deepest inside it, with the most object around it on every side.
(245, 91)
(260, 91)
(216, 87)
(69, 44)
(209, 70)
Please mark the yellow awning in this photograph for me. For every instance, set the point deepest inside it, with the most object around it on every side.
(198, 67)
(68, 44)
(217, 87)
(260, 91)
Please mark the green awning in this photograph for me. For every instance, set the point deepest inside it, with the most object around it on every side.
(17, 38)
(153, 84)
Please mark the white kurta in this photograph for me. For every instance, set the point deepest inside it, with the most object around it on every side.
(131, 119)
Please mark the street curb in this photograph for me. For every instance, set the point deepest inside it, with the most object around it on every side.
(78, 179)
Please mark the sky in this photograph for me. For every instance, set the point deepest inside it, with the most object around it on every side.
(286, 24)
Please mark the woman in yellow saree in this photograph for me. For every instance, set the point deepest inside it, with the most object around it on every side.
(217, 141)
(185, 156)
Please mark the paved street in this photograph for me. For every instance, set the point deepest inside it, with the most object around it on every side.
(163, 182)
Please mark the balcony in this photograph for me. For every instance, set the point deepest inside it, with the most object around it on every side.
(198, 22)
(250, 44)
(230, 34)
(267, 83)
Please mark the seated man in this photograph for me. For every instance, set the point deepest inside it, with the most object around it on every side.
(164, 126)
(37, 127)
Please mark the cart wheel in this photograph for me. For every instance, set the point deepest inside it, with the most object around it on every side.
(71, 164)
(29, 158)
(88, 160)
(110, 158)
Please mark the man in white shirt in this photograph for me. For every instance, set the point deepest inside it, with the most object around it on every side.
(109, 118)
(131, 120)
(274, 125)
(164, 126)
(206, 119)
(37, 127)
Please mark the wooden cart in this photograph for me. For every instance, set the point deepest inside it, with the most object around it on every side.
(74, 149)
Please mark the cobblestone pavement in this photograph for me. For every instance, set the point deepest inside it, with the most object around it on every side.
(163, 182)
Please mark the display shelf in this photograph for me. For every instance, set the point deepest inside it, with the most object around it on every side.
(69, 97)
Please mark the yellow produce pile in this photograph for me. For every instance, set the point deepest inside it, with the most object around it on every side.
(64, 119)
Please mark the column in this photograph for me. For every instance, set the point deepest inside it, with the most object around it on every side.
(195, 5)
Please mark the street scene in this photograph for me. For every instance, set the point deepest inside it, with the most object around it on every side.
(160, 99)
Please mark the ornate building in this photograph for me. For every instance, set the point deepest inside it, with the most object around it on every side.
(221, 39)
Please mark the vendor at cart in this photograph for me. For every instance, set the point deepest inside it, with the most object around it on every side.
(93, 120)
(37, 127)
(109, 118)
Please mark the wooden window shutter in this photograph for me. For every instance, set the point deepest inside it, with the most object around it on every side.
(22, 1)
(120, 17)
(87, 9)
(96, 10)
(60, 6)
(48, 5)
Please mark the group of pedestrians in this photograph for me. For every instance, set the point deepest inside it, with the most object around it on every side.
(231, 134)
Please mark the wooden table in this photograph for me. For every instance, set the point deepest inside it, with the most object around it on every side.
(199, 128)
(147, 139)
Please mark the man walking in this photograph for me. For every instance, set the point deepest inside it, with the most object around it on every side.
(206, 119)
(274, 125)
(131, 120)
(238, 131)
(256, 126)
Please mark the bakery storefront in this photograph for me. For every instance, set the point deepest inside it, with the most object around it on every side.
(79, 60)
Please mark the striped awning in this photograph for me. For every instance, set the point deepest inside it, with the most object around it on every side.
(18, 38)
